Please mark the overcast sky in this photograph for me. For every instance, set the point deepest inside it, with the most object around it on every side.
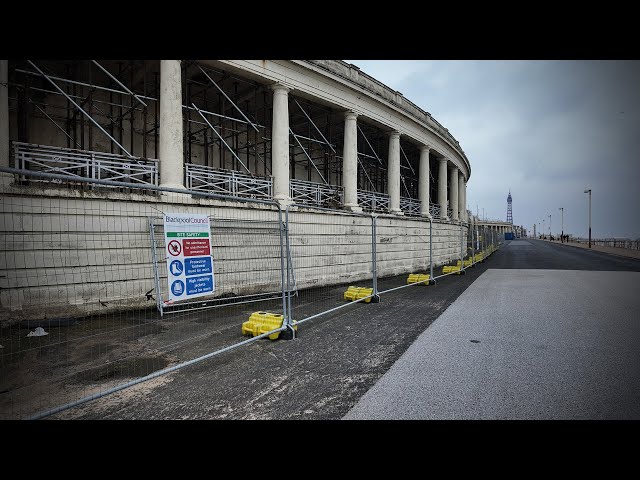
(547, 130)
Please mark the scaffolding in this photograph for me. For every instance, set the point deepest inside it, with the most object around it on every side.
(112, 107)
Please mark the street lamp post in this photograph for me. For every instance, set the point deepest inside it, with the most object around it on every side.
(543, 228)
(562, 216)
(589, 192)
(549, 227)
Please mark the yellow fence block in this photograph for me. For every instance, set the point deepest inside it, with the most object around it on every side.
(478, 257)
(418, 277)
(466, 263)
(451, 269)
(263, 322)
(356, 293)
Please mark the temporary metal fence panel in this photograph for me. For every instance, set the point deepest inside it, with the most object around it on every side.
(402, 247)
(330, 251)
(78, 291)
(246, 250)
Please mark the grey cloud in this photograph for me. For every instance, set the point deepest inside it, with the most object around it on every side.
(545, 129)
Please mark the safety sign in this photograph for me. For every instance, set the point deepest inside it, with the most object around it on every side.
(188, 253)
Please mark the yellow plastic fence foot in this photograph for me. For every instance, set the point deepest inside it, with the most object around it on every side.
(418, 277)
(356, 293)
(263, 322)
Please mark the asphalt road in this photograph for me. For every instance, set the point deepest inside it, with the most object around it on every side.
(336, 359)
(534, 343)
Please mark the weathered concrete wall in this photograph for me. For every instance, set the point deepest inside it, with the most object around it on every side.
(72, 253)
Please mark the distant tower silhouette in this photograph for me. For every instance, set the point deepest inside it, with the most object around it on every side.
(509, 212)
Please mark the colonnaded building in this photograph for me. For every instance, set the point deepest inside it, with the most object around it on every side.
(310, 133)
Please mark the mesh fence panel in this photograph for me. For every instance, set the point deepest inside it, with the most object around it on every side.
(401, 250)
(79, 298)
(328, 253)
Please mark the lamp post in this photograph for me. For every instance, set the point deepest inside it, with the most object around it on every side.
(589, 192)
(549, 227)
(562, 216)
(543, 228)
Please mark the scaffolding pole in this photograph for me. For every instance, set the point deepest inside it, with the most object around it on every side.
(227, 97)
(119, 82)
(80, 108)
(307, 155)
(408, 162)
(315, 126)
(222, 139)
(367, 140)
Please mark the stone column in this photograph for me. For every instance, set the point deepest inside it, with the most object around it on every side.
(170, 142)
(462, 202)
(280, 144)
(423, 181)
(393, 173)
(453, 194)
(350, 162)
(442, 188)
(4, 113)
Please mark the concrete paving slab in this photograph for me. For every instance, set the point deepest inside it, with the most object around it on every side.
(522, 344)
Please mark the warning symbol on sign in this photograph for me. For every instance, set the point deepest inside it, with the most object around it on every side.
(174, 248)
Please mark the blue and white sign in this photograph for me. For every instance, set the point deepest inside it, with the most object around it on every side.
(188, 254)
(198, 265)
(177, 287)
(176, 268)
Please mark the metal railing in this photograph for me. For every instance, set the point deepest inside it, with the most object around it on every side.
(227, 182)
(608, 242)
(373, 201)
(434, 210)
(318, 194)
(84, 164)
(410, 206)
(332, 196)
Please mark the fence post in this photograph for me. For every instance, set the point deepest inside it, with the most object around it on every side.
(289, 333)
(374, 265)
(461, 250)
(290, 277)
(431, 280)
(484, 240)
(473, 249)
(155, 267)
(282, 280)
